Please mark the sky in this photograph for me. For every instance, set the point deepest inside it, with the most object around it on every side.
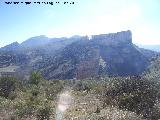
(84, 17)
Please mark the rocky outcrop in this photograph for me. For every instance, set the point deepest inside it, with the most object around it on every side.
(124, 37)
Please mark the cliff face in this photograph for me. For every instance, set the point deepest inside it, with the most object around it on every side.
(119, 38)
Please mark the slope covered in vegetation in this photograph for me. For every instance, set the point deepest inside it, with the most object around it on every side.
(119, 98)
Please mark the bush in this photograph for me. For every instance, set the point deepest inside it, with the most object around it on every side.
(35, 90)
(134, 94)
(7, 85)
(81, 86)
(44, 113)
(35, 78)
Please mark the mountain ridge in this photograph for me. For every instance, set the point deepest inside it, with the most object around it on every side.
(81, 57)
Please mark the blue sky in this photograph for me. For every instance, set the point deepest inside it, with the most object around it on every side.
(85, 17)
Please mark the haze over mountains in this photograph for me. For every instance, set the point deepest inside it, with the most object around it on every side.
(150, 47)
(76, 57)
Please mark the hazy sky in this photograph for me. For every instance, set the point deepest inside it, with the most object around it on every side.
(85, 17)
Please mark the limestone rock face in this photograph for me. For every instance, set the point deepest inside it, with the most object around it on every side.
(124, 37)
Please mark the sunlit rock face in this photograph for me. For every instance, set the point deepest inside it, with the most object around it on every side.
(124, 37)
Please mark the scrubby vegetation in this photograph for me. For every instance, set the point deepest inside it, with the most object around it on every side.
(101, 98)
(36, 99)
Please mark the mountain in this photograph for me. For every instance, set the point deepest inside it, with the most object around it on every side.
(40, 43)
(11, 47)
(111, 54)
(26, 55)
(30, 43)
(107, 54)
(35, 42)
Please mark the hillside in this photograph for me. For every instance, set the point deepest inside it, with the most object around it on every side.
(153, 69)
(95, 97)
(98, 98)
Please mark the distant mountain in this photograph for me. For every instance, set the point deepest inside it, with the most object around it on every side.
(40, 43)
(77, 57)
(150, 47)
(35, 42)
(11, 47)
(30, 43)
(37, 49)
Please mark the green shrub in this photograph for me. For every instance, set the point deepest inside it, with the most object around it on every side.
(134, 94)
(35, 90)
(35, 78)
(44, 113)
(81, 86)
(7, 85)
(53, 88)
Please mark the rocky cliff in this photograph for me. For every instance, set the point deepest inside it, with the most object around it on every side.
(123, 37)
(107, 54)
